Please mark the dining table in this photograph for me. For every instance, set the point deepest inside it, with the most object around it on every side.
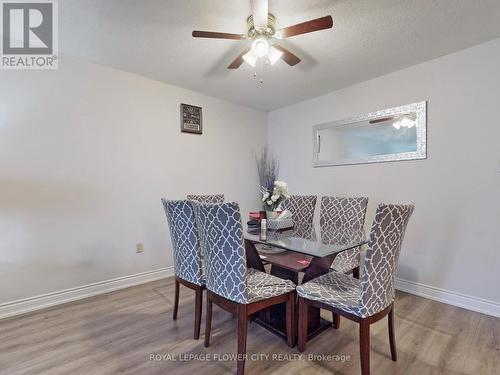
(299, 254)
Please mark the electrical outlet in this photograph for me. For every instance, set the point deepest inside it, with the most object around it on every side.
(139, 248)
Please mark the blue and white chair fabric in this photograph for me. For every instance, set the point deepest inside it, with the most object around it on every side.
(343, 213)
(185, 240)
(206, 199)
(221, 235)
(375, 291)
(302, 208)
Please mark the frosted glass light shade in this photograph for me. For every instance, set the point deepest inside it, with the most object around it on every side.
(250, 58)
(274, 55)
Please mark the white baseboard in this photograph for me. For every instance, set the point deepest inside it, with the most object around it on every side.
(56, 298)
(451, 298)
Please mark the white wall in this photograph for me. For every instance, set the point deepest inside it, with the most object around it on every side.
(86, 152)
(453, 239)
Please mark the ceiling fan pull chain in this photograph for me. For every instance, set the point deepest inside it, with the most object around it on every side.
(261, 67)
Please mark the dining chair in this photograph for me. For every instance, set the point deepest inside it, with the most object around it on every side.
(206, 199)
(302, 208)
(230, 284)
(368, 300)
(344, 213)
(187, 257)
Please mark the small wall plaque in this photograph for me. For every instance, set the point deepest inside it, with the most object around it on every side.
(191, 119)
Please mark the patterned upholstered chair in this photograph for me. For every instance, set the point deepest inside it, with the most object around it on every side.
(232, 286)
(187, 258)
(302, 208)
(206, 199)
(367, 300)
(340, 213)
(344, 214)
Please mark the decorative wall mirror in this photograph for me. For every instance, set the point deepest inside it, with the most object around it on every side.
(389, 135)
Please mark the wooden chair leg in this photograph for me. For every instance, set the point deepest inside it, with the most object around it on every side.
(364, 346)
(242, 338)
(336, 320)
(176, 300)
(290, 319)
(302, 334)
(392, 338)
(197, 313)
(355, 272)
(208, 321)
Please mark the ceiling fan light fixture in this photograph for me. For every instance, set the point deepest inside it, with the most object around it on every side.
(274, 55)
(250, 58)
(409, 123)
(261, 28)
(260, 47)
(404, 122)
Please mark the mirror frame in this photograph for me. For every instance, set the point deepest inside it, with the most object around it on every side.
(419, 108)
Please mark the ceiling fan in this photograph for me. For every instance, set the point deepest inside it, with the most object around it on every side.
(262, 30)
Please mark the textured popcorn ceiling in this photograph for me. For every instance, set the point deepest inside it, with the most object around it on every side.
(370, 38)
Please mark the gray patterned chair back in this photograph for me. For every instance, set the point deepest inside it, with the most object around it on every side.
(221, 235)
(185, 240)
(381, 260)
(206, 199)
(302, 208)
(343, 212)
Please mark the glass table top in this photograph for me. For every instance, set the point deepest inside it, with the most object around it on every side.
(311, 239)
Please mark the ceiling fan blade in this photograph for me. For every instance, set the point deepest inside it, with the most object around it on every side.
(305, 27)
(217, 35)
(260, 8)
(288, 57)
(385, 119)
(239, 60)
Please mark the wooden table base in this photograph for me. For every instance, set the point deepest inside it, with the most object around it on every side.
(276, 327)
(285, 266)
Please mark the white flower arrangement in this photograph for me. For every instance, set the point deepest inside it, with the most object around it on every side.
(272, 199)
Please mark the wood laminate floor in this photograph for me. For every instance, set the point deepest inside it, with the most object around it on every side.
(119, 332)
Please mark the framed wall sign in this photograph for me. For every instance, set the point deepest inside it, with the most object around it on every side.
(191, 119)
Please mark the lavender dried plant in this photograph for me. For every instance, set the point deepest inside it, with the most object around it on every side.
(268, 167)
